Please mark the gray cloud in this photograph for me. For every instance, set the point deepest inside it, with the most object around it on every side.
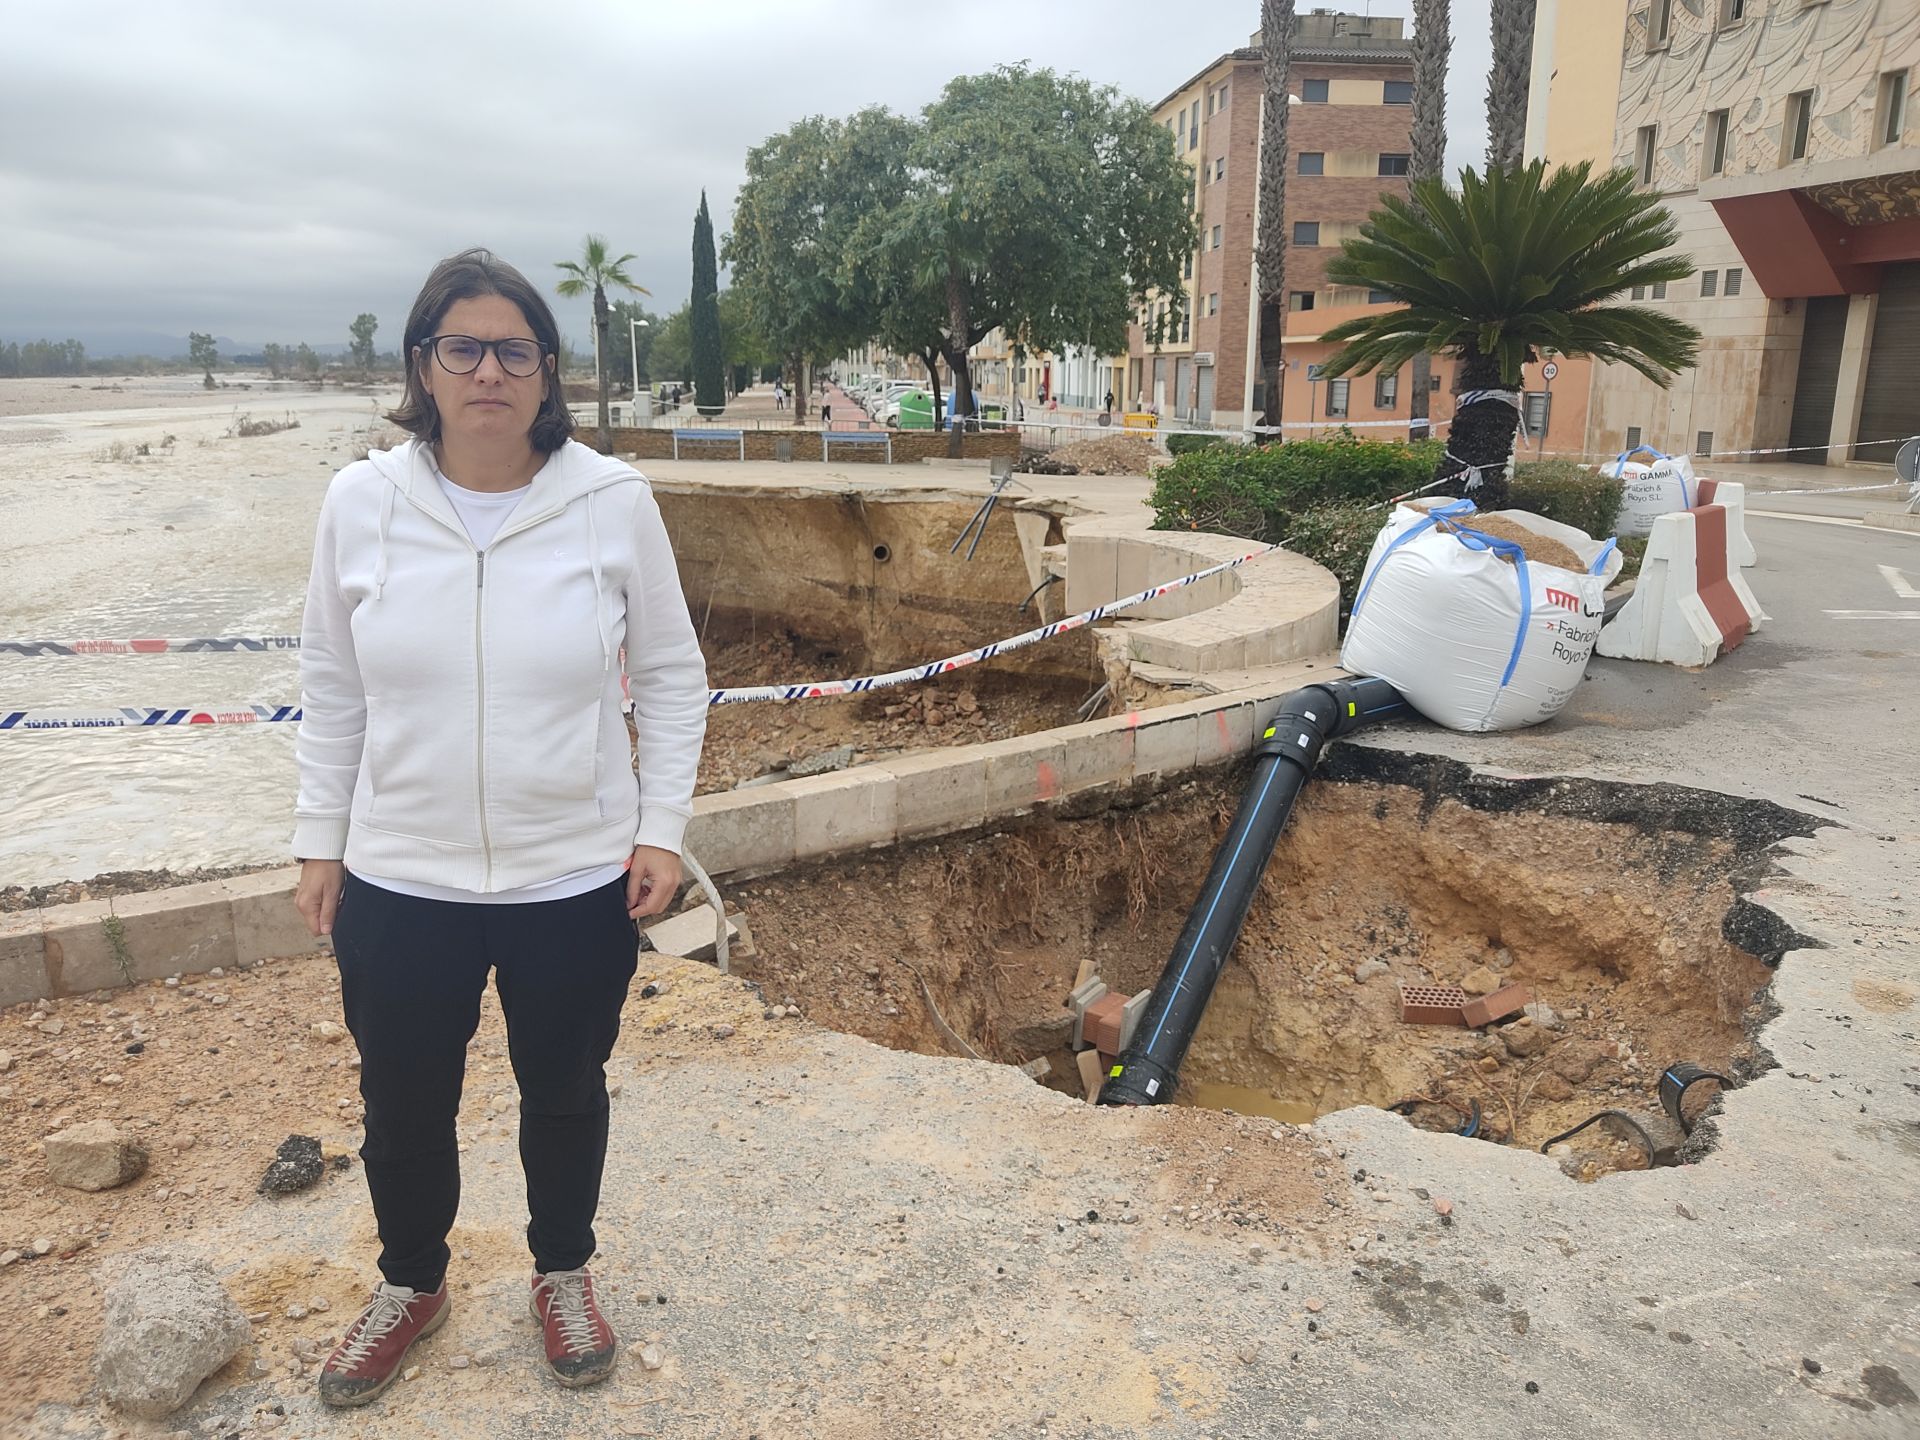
(267, 171)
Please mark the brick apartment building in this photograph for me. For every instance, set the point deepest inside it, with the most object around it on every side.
(1352, 88)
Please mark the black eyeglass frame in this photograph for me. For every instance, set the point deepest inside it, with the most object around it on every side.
(431, 344)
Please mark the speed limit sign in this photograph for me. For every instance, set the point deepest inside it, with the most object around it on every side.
(1549, 369)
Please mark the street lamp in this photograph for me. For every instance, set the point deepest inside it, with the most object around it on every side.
(634, 322)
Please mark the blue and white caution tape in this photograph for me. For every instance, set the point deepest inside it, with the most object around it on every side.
(198, 645)
(141, 717)
(812, 689)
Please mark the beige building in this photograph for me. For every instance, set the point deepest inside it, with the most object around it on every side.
(1783, 133)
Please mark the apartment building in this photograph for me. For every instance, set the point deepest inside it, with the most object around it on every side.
(1785, 136)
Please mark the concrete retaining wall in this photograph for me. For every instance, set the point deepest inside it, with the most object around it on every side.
(909, 446)
(101, 944)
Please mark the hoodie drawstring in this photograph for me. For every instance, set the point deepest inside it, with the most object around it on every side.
(386, 523)
(599, 622)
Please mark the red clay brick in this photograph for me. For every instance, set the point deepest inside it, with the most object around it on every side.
(1508, 1000)
(1101, 1028)
(1432, 1004)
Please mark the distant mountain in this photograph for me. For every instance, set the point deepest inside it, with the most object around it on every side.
(104, 344)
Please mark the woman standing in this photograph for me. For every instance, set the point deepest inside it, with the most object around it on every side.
(467, 802)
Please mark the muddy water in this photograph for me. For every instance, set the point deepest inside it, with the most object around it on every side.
(211, 535)
(1243, 1100)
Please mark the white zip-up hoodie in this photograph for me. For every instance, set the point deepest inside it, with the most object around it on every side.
(462, 723)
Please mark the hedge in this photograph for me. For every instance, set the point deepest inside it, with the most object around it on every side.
(1186, 442)
(1321, 498)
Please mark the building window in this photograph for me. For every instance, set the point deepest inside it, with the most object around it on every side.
(1732, 287)
(1715, 153)
(1313, 162)
(1186, 328)
(1396, 92)
(1337, 398)
(1659, 289)
(1216, 237)
(1223, 95)
(1732, 12)
(1799, 122)
(1643, 152)
(1639, 292)
(1213, 303)
(1314, 92)
(1539, 410)
(1189, 272)
(1633, 437)
(1302, 300)
(1379, 297)
(1220, 168)
(1306, 232)
(1891, 123)
(1660, 23)
(1709, 283)
(1703, 443)
(1386, 391)
(1395, 164)
(1210, 101)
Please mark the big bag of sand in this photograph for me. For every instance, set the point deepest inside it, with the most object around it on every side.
(1650, 488)
(1484, 622)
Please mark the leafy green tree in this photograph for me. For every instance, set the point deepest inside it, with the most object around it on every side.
(672, 355)
(806, 192)
(202, 355)
(360, 346)
(592, 273)
(307, 360)
(624, 336)
(276, 359)
(1507, 266)
(709, 378)
(1037, 203)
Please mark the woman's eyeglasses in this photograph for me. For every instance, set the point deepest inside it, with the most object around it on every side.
(462, 354)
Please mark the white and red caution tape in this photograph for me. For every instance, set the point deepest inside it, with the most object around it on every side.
(197, 645)
(140, 717)
(812, 689)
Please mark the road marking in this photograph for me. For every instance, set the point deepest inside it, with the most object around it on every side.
(1807, 519)
(1873, 614)
(1899, 583)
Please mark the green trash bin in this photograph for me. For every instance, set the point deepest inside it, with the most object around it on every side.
(916, 411)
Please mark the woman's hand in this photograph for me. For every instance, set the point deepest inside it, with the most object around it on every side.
(317, 897)
(653, 879)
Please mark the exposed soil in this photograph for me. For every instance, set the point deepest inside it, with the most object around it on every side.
(116, 882)
(979, 703)
(1617, 930)
(1100, 455)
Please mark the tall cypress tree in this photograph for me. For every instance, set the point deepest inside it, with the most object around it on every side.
(709, 377)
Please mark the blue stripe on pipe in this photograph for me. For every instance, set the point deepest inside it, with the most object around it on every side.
(1219, 895)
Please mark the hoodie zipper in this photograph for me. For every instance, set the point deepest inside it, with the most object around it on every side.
(480, 701)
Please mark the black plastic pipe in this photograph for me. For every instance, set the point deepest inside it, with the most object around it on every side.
(1148, 1071)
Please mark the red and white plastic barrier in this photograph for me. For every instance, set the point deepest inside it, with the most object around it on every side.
(1690, 605)
(1733, 495)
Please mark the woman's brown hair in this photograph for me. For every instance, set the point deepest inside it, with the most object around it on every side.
(464, 276)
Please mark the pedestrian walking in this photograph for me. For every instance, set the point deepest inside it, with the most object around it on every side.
(1109, 402)
(779, 395)
(466, 799)
(826, 415)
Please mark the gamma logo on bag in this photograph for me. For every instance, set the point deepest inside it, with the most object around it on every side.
(1565, 599)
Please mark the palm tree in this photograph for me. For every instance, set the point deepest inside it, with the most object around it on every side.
(1432, 39)
(595, 271)
(1507, 83)
(1508, 265)
(1276, 41)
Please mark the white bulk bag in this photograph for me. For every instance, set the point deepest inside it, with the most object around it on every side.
(1473, 641)
(1650, 490)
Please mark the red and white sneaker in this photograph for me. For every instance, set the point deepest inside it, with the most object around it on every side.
(369, 1358)
(580, 1343)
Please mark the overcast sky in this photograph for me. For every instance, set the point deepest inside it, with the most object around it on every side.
(268, 171)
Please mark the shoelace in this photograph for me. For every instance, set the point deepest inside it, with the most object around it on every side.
(386, 1310)
(567, 1294)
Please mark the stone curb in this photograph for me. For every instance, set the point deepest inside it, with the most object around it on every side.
(104, 944)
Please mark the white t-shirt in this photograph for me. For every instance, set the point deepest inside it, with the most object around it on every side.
(483, 513)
